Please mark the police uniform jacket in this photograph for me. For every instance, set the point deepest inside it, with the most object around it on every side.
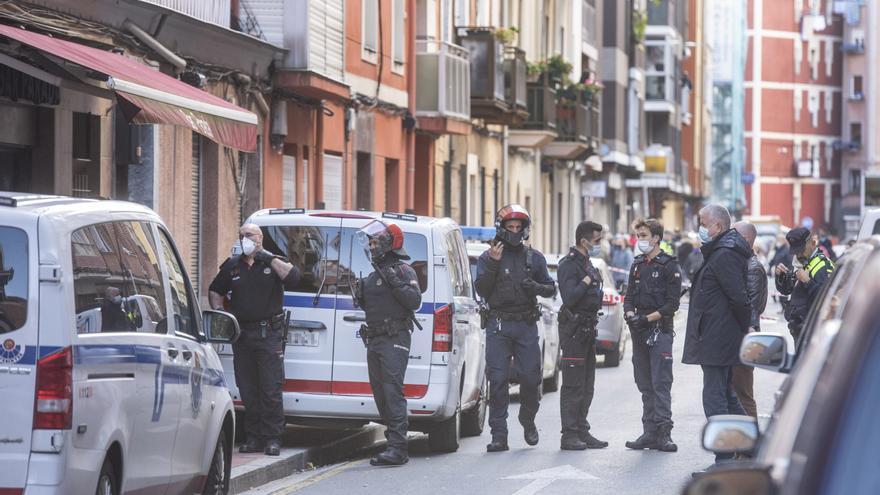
(257, 291)
(654, 285)
(499, 283)
(392, 297)
(802, 294)
(578, 296)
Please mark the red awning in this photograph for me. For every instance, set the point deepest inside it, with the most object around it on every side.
(147, 96)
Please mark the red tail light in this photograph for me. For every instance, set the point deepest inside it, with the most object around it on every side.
(610, 299)
(54, 401)
(442, 329)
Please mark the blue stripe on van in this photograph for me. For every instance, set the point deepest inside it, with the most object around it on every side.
(343, 303)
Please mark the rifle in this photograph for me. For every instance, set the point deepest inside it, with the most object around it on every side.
(412, 315)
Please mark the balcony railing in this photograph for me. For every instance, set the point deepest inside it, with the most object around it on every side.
(213, 11)
(853, 47)
(541, 105)
(857, 96)
(487, 63)
(515, 73)
(846, 145)
(443, 79)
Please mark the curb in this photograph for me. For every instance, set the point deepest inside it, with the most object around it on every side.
(299, 460)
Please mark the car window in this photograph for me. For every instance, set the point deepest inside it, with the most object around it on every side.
(118, 285)
(354, 259)
(314, 250)
(183, 307)
(459, 275)
(13, 278)
(852, 467)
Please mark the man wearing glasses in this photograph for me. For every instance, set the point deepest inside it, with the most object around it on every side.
(256, 281)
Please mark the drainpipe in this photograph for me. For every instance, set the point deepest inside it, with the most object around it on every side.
(178, 63)
(505, 190)
(411, 107)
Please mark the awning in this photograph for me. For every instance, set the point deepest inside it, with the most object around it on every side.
(147, 96)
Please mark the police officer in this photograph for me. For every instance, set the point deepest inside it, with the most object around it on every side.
(510, 276)
(257, 280)
(803, 281)
(580, 285)
(389, 296)
(652, 296)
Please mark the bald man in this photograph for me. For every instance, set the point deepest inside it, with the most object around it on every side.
(756, 287)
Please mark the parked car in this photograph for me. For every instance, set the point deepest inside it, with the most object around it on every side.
(326, 381)
(823, 433)
(870, 224)
(94, 403)
(548, 335)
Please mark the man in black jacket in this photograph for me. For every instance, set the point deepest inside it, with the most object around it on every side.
(719, 313)
(756, 286)
(580, 285)
(509, 277)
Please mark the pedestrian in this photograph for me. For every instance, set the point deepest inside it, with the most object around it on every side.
(389, 297)
(652, 296)
(256, 281)
(826, 244)
(803, 281)
(756, 287)
(580, 285)
(114, 317)
(621, 261)
(510, 277)
(719, 312)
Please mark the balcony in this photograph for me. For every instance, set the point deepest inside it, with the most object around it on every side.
(443, 99)
(577, 127)
(857, 96)
(661, 171)
(497, 77)
(854, 47)
(213, 11)
(843, 145)
(539, 127)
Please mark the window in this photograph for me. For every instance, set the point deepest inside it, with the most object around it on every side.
(183, 307)
(313, 250)
(855, 133)
(117, 283)
(398, 34)
(354, 260)
(459, 274)
(857, 88)
(370, 29)
(13, 280)
(855, 181)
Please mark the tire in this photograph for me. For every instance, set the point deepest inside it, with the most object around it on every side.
(612, 359)
(474, 419)
(218, 476)
(552, 384)
(444, 436)
(107, 482)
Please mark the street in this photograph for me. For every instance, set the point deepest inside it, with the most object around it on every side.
(614, 416)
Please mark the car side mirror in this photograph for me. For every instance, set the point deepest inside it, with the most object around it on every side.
(739, 478)
(764, 350)
(730, 434)
(220, 327)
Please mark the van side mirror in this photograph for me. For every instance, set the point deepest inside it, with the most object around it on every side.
(730, 434)
(220, 327)
(739, 478)
(764, 350)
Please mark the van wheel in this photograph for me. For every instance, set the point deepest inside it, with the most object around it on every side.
(218, 475)
(107, 482)
(444, 436)
(473, 420)
(612, 359)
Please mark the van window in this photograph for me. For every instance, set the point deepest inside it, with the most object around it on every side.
(183, 307)
(458, 273)
(314, 250)
(118, 285)
(416, 246)
(13, 278)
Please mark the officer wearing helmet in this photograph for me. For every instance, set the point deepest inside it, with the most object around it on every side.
(389, 296)
(510, 276)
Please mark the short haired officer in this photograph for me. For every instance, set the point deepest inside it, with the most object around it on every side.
(580, 285)
(803, 282)
(510, 276)
(257, 280)
(652, 295)
(389, 296)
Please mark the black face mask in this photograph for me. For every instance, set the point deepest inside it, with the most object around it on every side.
(510, 238)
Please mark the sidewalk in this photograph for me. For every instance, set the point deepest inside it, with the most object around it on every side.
(303, 448)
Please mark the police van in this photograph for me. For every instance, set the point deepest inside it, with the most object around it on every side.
(326, 381)
(108, 377)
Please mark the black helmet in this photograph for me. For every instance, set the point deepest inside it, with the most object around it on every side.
(389, 237)
(512, 212)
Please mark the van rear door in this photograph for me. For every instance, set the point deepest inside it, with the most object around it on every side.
(350, 375)
(311, 243)
(19, 286)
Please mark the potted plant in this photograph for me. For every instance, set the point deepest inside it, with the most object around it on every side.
(639, 23)
(558, 69)
(506, 36)
(534, 70)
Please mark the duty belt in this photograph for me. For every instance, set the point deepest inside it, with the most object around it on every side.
(531, 315)
(388, 326)
(568, 316)
(258, 324)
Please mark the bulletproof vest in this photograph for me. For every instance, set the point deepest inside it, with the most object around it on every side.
(650, 282)
(800, 296)
(592, 300)
(379, 301)
(508, 295)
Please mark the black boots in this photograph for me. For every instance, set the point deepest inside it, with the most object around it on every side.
(273, 447)
(664, 439)
(530, 433)
(251, 447)
(390, 457)
(591, 441)
(498, 445)
(569, 443)
(646, 441)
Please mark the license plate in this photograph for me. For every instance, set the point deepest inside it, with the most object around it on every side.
(302, 338)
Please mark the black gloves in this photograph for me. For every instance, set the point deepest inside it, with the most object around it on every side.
(264, 256)
(531, 287)
(391, 277)
(637, 322)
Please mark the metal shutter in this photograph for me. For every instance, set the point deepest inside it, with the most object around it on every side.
(195, 232)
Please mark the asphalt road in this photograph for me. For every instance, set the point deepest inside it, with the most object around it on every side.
(614, 416)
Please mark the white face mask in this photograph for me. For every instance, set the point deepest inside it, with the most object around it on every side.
(248, 246)
(645, 246)
(116, 299)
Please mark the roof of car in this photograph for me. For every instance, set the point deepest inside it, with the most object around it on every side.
(45, 204)
(287, 213)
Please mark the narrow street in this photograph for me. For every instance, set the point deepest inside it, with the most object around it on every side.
(614, 417)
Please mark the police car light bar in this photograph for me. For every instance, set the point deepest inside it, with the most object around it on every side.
(400, 216)
(7, 201)
(482, 234)
(286, 211)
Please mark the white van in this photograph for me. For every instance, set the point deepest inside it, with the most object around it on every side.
(105, 394)
(326, 380)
